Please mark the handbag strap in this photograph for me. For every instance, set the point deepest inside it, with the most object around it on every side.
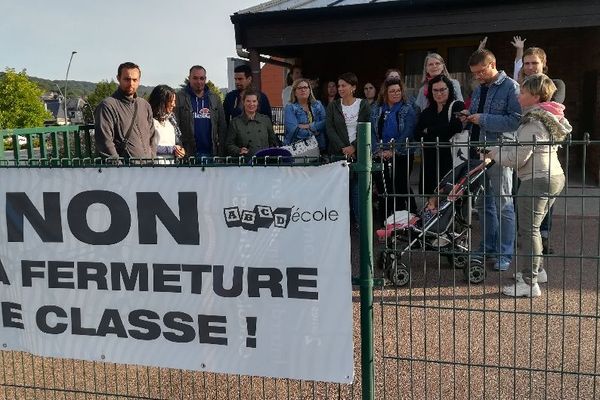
(450, 110)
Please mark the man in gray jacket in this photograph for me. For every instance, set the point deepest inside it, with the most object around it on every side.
(124, 126)
(200, 116)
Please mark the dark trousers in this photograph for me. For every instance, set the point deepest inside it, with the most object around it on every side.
(394, 185)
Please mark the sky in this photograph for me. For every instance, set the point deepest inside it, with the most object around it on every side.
(164, 37)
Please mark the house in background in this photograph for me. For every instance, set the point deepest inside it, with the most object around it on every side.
(54, 103)
(329, 37)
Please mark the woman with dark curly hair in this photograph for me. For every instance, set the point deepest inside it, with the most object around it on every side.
(168, 138)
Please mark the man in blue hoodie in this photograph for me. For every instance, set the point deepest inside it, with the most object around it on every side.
(494, 114)
(201, 117)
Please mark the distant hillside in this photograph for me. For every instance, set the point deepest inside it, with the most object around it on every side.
(76, 88)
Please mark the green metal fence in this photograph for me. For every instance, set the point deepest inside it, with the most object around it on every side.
(443, 334)
(53, 142)
(439, 336)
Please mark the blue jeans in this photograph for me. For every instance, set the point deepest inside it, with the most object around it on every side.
(497, 213)
(546, 225)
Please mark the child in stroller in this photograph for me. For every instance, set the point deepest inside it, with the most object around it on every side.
(443, 225)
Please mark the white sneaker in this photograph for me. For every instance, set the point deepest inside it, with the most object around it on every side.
(541, 278)
(522, 289)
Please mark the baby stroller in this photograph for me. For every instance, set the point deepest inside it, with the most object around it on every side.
(443, 226)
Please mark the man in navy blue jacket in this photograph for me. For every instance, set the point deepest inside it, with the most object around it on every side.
(242, 74)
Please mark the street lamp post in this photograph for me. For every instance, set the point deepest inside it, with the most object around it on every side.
(66, 80)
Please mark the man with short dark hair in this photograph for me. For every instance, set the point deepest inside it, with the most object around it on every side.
(124, 126)
(201, 117)
(242, 74)
(494, 114)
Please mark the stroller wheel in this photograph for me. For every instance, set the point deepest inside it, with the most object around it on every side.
(475, 273)
(459, 261)
(398, 273)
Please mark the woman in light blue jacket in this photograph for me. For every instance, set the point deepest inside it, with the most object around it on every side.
(393, 123)
(304, 115)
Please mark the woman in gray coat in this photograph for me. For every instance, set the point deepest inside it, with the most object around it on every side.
(542, 177)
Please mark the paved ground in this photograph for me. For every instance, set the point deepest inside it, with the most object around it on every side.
(469, 341)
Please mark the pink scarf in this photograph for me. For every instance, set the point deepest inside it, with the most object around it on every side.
(553, 107)
(426, 87)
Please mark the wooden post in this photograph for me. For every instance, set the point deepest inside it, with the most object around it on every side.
(255, 66)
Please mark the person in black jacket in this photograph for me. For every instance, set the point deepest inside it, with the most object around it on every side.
(233, 103)
(438, 122)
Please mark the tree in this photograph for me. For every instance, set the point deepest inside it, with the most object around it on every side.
(103, 90)
(21, 105)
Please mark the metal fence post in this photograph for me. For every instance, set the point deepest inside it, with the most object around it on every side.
(363, 169)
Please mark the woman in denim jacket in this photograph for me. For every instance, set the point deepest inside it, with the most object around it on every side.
(393, 123)
(304, 115)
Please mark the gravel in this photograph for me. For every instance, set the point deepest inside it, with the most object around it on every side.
(437, 338)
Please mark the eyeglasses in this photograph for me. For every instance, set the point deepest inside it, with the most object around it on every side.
(442, 90)
(302, 87)
(481, 71)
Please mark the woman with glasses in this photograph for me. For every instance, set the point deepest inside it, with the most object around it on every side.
(393, 123)
(433, 66)
(304, 115)
(168, 138)
(438, 123)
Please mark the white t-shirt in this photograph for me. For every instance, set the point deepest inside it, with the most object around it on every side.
(518, 66)
(351, 117)
(165, 132)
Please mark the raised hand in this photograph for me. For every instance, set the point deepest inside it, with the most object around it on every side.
(482, 43)
(518, 43)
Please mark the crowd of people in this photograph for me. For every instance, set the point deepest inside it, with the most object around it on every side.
(193, 122)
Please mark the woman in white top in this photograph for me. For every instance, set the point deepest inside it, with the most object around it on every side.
(433, 66)
(168, 138)
(343, 116)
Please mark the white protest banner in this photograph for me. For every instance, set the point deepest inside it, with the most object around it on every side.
(230, 270)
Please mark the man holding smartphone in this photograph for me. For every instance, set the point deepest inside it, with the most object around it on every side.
(494, 113)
